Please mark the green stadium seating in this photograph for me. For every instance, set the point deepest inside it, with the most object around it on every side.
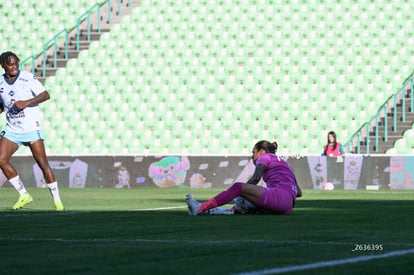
(31, 24)
(214, 76)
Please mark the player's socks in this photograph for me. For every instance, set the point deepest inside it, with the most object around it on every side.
(229, 194)
(223, 197)
(18, 185)
(211, 203)
(54, 191)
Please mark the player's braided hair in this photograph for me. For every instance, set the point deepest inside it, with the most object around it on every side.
(5, 57)
(269, 147)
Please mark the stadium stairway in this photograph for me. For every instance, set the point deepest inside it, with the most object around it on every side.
(393, 136)
(84, 42)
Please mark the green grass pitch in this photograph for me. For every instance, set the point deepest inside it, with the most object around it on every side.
(148, 231)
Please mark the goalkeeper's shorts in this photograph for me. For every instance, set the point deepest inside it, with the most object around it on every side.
(276, 201)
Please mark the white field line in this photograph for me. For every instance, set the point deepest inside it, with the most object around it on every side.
(330, 263)
(194, 242)
(51, 213)
(189, 241)
(35, 213)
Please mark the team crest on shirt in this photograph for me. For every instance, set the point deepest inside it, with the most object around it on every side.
(11, 93)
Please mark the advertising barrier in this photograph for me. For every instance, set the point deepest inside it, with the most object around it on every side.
(312, 172)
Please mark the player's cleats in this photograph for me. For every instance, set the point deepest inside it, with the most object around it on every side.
(244, 206)
(59, 206)
(22, 201)
(193, 205)
(220, 211)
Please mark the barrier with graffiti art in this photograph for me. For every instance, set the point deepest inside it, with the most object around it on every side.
(312, 172)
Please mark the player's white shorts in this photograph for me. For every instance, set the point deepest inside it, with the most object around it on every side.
(23, 138)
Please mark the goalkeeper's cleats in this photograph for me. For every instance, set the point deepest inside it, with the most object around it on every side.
(59, 206)
(244, 206)
(220, 211)
(193, 205)
(22, 201)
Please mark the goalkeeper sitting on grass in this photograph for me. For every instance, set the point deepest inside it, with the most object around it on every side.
(278, 197)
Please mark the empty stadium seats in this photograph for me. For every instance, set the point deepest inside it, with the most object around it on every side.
(31, 24)
(214, 76)
(404, 145)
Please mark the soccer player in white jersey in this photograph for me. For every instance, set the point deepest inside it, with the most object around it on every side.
(20, 95)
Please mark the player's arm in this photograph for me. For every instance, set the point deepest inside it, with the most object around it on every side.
(21, 104)
(257, 175)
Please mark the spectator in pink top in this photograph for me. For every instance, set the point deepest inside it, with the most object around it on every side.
(278, 197)
(332, 147)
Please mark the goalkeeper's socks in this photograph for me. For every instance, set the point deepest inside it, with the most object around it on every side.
(18, 185)
(54, 191)
(211, 203)
(228, 195)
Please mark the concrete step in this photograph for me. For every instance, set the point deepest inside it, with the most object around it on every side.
(93, 35)
(49, 71)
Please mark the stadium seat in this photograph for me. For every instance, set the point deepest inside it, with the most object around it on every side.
(401, 146)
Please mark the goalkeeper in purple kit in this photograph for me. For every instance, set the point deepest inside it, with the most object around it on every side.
(278, 197)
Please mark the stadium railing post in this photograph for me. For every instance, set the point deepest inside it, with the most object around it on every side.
(376, 131)
(386, 121)
(394, 128)
(411, 93)
(367, 138)
(402, 92)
